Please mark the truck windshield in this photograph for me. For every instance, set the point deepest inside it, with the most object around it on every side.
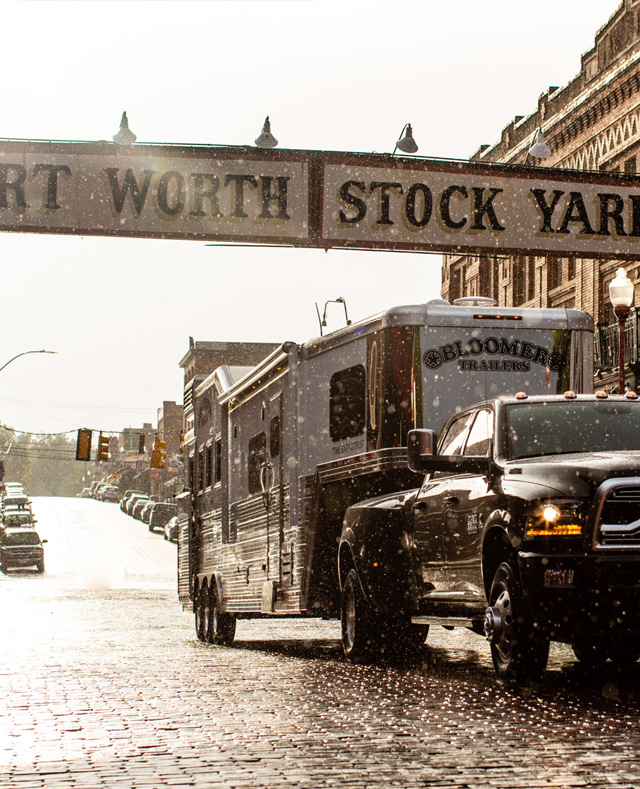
(535, 429)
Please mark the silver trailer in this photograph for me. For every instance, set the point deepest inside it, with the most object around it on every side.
(280, 450)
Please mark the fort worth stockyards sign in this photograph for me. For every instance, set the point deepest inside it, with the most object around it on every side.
(315, 199)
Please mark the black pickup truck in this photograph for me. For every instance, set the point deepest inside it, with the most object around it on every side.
(526, 529)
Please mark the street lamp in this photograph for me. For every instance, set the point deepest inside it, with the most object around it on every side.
(621, 296)
(24, 353)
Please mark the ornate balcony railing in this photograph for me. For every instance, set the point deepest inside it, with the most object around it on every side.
(607, 343)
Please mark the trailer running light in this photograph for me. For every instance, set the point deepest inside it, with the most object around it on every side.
(631, 396)
(498, 317)
(570, 395)
(522, 396)
(602, 395)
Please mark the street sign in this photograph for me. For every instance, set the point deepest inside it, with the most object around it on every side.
(315, 199)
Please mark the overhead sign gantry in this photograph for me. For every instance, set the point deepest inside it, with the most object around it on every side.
(315, 199)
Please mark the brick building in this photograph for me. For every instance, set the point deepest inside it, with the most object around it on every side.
(593, 123)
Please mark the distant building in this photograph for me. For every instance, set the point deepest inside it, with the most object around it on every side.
(593, 123)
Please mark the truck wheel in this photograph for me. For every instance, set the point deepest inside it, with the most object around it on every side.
(222, 626)
(519, 653)
(201, 613)
(40, 567)
(360, 633)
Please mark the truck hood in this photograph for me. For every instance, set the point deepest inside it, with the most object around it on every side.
(573, 474)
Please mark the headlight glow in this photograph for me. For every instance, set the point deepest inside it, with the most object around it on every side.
(560, 518)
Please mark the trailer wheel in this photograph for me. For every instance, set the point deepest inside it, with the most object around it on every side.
(222, 626)
(201, 612)
(361, 634)
(519, 652)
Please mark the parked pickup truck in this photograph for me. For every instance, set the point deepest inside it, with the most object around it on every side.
(526, 529)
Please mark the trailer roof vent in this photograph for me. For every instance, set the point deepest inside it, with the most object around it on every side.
(475, 301)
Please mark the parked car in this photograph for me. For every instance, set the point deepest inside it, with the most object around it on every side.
(21, 548)
(20, 502)
(127, 495)
(139, 505)
(145, 515)
(110, 493)
(97, 493)
(85, 494)
(171, 529)
(133, 499)
(161, 513)
(17, 517)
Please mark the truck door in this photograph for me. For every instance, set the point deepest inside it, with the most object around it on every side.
(430, 512)
(467, 504)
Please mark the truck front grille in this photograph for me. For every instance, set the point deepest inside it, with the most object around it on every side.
(617, 521)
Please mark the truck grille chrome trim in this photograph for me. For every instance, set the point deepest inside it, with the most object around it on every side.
(616, 515)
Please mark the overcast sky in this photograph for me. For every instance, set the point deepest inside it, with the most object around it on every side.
(331, 75)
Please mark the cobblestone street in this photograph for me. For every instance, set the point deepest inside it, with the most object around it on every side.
(109, 687)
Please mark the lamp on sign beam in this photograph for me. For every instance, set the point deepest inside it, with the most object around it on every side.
(266, 139)
(124, 135)
(406, 143)
(539, 148)
(621, 292)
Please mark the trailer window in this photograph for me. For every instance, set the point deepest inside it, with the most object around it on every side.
(347, 398)
(209, 467)
(201, 461)
(257, 456)
(274, 437)
(217, 475)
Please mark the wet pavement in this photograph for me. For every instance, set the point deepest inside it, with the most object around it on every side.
(102, 683)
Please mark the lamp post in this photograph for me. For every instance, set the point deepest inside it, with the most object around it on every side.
(24, 353)
(621, 296)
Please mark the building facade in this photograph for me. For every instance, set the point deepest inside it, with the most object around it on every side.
(593, 123)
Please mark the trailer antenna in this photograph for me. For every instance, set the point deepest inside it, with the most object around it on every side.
(339, 300)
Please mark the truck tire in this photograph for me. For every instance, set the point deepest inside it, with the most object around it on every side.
(518, 651)
(201, 611)
(361, 634)
(40, 566)
(221, 626)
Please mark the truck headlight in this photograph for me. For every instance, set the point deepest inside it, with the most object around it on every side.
(555, 518)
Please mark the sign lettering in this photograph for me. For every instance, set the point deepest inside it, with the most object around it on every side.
(315, 199)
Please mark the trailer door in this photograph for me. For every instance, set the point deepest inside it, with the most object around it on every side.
(272, 477)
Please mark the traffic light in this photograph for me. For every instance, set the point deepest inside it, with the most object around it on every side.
(158, 454)
(103, 447)
(83, 445)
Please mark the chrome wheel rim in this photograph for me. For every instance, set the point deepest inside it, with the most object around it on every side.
(503, 639)
(350, 619)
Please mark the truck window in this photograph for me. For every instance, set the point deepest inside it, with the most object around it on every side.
(257, 456)
(453, 441)
(480, 435)
(347, 403)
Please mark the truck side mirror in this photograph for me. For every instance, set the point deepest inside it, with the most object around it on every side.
(420, 442)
